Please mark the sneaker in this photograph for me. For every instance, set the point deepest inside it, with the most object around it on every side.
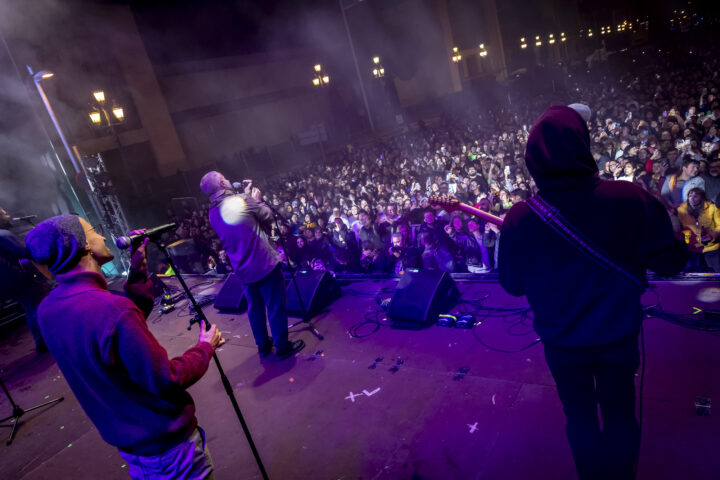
(291, 349)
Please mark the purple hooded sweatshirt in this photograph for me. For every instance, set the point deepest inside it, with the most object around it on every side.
(576, 301)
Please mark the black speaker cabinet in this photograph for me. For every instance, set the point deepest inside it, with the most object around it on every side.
(231, 297)
(317, 289)
(419, 298)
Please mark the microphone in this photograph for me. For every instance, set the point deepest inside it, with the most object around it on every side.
(240, 186)
(26, 217)
(151, 233)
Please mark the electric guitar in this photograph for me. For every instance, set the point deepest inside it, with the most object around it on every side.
(693, 238)
(452, 205)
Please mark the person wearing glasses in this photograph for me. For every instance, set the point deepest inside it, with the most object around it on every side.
(134, 394)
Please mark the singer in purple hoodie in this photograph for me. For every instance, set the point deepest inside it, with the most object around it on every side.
(588, 316)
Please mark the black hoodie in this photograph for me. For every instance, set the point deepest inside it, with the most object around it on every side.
(576, 301)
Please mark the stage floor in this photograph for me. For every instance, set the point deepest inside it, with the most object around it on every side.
(429, 404)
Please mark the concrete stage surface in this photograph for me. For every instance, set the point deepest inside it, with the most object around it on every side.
(429, 404)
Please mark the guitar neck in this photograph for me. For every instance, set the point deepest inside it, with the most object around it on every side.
(450, 204)
(479, 213)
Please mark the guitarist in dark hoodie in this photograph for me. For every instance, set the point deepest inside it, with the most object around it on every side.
(588, 315)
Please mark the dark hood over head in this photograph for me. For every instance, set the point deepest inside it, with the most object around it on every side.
(558, 150)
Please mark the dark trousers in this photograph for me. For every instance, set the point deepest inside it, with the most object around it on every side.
(269, 292)
(31, 317)
(713, 260)
(605, 376)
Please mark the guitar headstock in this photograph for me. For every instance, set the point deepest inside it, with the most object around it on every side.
(447, 203)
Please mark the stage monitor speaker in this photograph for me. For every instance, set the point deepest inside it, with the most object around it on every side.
(420, 296)
(317, 289)
(231, 297)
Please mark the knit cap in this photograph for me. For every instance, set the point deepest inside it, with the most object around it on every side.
(58, 242)
(582, 109)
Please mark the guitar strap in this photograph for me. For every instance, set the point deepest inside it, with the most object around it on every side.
(552, 217)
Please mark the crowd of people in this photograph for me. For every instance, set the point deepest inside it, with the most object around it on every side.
(367, 211)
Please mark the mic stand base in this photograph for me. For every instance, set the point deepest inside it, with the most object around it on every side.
(308, 326)
(19, 412)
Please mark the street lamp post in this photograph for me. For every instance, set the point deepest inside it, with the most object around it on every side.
(355, 60)
(320, 79)
(38, 77)
(378, 70)
(101, 118)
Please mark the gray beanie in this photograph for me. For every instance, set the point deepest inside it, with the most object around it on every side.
(582, 109)
(58, 242)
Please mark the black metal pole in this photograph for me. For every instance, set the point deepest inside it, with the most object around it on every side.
(198, 318)
(121, 151)
(305, 318)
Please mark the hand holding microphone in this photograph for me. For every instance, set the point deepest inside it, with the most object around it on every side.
(243, 186)
(138, 257)
(137, 236)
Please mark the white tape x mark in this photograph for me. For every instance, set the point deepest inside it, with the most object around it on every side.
(352, 396)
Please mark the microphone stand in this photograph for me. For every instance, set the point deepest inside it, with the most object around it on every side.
(305, 318)
(19, 412)
(198, 318)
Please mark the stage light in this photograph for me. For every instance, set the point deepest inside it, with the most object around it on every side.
(551, 39)
(562, 37)
(316, 81)
(326, 79)
(99, 96)
(376, 60)
(47, 75)
(538, 42)
(590, 34)
(522, 43)
(318, 67)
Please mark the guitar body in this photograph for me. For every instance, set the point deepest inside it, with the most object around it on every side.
(693, 240)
